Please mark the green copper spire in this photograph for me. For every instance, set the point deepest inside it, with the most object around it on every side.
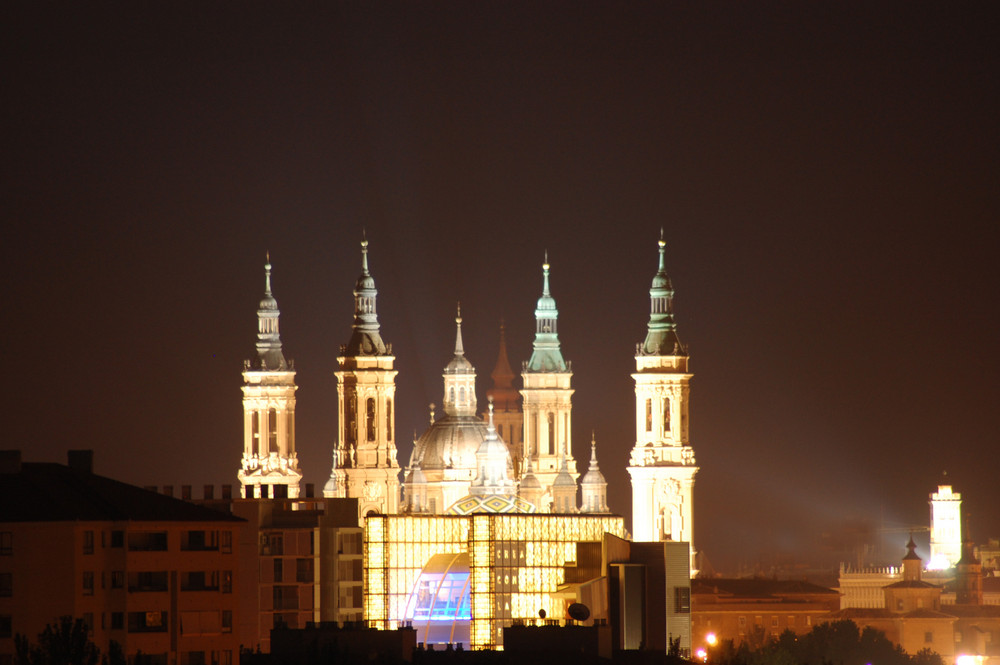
(269, 356)
(546, 356)
(365, 340)
(661, 336)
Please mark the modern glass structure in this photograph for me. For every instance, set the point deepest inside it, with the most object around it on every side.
(462, 578)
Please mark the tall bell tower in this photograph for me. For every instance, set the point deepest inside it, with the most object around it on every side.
(547, 397)
(364, 460)
(662, 464)
(269, 466)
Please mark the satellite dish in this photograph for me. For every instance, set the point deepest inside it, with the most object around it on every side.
(578, 612)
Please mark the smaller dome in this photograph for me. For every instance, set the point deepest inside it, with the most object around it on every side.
(268, 303)
(458, 365)
(529, 481)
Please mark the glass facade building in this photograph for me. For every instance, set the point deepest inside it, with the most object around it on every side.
(463, 578)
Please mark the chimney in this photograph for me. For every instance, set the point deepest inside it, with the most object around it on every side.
(10, 461)
(81, 461)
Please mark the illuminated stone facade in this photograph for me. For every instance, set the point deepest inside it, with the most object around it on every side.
(517, 565)
(662, 464)
(364, 459)
(270, 465)
(946, 528)
(547, 397)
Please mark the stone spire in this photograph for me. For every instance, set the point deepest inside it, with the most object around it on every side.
(269, 355)
(459, 378)
(911, 562)
(503, 393)
(365, 338)
(564, 490)
(546, 356)
(492, 460)
(661, 333)
(530, 489)
(593, 486)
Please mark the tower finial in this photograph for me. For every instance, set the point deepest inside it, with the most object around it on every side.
(364, 255)
(459, 348)
(267, 275)
(490, 400)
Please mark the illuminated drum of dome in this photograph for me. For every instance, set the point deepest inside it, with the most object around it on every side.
(440, 605)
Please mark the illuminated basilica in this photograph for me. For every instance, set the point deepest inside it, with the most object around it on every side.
(485, 529)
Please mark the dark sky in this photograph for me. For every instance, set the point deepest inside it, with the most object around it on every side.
(827, 180)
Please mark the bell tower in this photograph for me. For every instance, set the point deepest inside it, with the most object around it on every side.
(364, 464)
(662, 464)
(547, 397)
(269, 466)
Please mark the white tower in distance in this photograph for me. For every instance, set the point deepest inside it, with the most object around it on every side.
(662, 464)
(547, 404)
(269, 466)
(364, 460)
(946, 528)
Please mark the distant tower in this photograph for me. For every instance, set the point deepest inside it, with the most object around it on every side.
(563, 490)
(269, 458)
(529, 488)
(593, 486)
(365, 463)
(547, 397)
(662, 464)
(946, 528)
(968, 574)
(507, 404)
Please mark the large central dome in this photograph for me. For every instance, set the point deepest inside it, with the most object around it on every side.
(450, 443)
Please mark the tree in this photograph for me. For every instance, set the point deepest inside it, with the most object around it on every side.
(64, 643)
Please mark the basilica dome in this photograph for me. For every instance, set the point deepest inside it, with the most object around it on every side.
(451, 442)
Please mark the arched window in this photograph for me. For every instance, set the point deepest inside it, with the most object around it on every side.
(272, 430)
(451, 395)
(255, 438)
(370, 409)
(461, 395)
(552, 433)
(388, 419)
(649, 415)
(666, 414)
(352, 419)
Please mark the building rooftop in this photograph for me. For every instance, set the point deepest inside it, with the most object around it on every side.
(50, 492)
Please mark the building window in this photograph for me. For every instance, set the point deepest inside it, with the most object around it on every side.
(370, 412)
(899, 604)
(272, 431)
(388, 419)
(117, 620)
(285, 598)
(552, 433)
(929, 637)
(192, 658)
(117, 579)
(6, 543)
(304, 571)
(147, 622)
(6, 626)
(227, 581)
(88, 583)
(255, 436)
(226, 542)
(682, 600)
(227, 621)
(197, 580)
(147, 541)
(88, 542)
(666, 414)
(352, 419)
(274, 545)
(6, 585)
(200, 541)
(774, 622)
(278, 570)
(139, 582)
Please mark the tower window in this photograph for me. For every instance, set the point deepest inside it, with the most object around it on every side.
(451, 395)
(388, 419)
(370, 409)
(255, 438)
(272, 430)
(461, 395)
(352, 419)
(649, 415)
(552, 433)
(666, 414)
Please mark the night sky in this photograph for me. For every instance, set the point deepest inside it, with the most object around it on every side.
(827, 183)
